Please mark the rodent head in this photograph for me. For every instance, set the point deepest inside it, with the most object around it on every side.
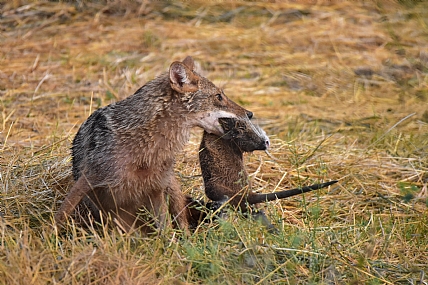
(205, 102)
(246, 135)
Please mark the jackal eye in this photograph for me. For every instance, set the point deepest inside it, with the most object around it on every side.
(219, 97)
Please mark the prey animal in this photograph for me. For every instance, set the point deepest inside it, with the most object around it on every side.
(224, 173)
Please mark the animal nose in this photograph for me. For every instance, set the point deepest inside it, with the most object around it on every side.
(249, 114)
(267, 143)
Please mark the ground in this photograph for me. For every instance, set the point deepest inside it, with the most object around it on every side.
(340, 87)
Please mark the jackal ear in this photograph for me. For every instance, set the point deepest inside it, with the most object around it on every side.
(182, 78)
(188, 61)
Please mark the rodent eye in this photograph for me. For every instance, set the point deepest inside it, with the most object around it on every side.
(219, 97)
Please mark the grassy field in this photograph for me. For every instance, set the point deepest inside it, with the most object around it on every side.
(341, 88)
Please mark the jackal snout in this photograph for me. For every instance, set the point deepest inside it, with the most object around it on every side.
(246, 135)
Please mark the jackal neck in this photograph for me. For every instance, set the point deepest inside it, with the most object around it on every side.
(152, 124)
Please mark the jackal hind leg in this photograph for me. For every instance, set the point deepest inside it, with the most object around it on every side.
(73, 198)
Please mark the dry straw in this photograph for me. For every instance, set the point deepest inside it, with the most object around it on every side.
(340, 87)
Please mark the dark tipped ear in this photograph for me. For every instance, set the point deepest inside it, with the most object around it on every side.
(182, 78)
(188, 61)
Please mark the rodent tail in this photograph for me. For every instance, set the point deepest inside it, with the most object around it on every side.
(260, 198)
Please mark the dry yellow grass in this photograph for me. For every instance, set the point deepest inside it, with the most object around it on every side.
(341, 87)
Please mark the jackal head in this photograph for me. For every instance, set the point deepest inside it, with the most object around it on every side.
(248, 137)
(205, 102)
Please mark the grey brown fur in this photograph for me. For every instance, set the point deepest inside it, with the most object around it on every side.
(124, 153)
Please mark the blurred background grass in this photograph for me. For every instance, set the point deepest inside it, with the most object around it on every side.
(341, 88)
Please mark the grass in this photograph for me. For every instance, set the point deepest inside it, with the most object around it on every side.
(340, 88)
